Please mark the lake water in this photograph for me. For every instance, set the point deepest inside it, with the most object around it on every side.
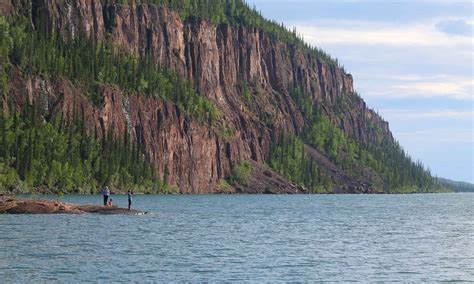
(261, 238)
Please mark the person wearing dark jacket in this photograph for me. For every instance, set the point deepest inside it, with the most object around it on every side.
(105, 191)
(130, 196)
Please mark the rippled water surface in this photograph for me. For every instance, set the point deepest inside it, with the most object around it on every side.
(247, 237)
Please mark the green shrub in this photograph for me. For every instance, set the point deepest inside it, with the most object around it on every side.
(224, 187)
(241, 173)
(9, 179)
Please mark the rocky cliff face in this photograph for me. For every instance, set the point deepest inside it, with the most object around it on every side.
(217, 60)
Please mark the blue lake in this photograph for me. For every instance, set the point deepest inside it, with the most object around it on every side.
(261, 238)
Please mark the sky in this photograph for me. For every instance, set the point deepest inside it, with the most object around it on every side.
(412, 61)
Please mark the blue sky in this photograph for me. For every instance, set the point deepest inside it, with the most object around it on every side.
(412, 60)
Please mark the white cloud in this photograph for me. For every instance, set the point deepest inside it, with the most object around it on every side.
(438, 136)
(418, 86)
(377, 33)
(457, 89)
(410, 114)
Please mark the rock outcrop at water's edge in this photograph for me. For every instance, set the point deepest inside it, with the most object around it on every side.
(215, 59)
(13, 205)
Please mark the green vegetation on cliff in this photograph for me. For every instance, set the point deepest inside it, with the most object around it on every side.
(36, 52)
(52, 157)
(290, 158)
(6, 45)
(397, 172)
(60, 156)
(241, 173)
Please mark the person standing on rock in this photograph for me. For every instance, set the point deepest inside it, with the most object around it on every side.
(130, 195)
(105, 193)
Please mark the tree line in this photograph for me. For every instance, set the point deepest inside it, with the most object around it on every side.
(289, 157)
(56, 156)
(388, 159)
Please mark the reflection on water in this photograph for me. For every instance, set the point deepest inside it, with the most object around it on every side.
(247, 237)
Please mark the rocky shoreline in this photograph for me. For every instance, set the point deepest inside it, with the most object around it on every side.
(14, 205)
